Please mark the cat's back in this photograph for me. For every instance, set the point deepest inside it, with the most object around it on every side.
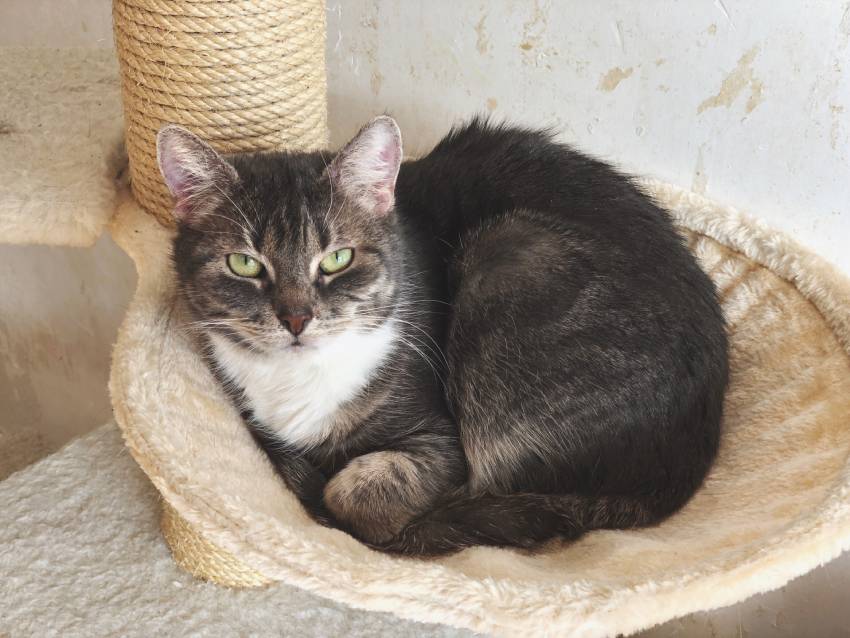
(482, 172)
(587, 349)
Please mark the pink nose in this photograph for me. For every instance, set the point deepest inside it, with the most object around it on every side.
(296, 322)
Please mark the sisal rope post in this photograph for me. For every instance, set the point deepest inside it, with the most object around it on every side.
(245, 75)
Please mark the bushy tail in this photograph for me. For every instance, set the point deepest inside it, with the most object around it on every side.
(516, 520)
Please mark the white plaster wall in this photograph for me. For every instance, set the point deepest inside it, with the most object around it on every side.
(746, 101)
(59, 314)
(56, 23)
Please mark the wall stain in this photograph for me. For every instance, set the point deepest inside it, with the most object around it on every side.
(491, 103)
(660, 61)
(835, 110)
(844, 26)
(482, 43)
(6, 128)
(756, 95)
(533, 30)
(735, 83)
(779, 621)
(613, 77)
(376, 82)
(712, 29)
(369, 47)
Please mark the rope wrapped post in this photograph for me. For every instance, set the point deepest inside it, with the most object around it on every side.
(245, 75)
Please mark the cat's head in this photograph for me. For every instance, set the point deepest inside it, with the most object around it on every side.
(283, 251)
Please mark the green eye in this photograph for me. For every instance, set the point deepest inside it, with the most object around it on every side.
(336, 261)
(244, 265)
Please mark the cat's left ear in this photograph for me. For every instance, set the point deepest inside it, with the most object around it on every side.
(365, 170)
(194, 172)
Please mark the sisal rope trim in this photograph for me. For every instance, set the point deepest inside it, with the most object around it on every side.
(202, 559)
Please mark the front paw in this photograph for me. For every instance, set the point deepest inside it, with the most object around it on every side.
(376, 495)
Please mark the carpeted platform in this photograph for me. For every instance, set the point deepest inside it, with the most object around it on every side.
(81, 554)
(60, 144)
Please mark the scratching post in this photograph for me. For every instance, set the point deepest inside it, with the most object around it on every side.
(245, 75)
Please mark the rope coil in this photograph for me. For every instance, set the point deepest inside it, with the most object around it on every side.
(201, 558)
(245, 75)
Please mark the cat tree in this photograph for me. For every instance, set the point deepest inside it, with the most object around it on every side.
(249, 75)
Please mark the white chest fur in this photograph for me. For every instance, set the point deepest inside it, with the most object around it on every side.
(295, 394)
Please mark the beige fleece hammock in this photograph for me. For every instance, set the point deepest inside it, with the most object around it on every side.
(774, 506)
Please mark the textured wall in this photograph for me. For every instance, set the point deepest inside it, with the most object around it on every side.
(56, 23)
(59, 312)
(748, 102)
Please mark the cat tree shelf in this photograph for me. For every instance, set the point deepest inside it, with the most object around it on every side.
(60, 144)
(774, 506)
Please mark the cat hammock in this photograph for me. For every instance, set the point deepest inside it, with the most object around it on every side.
(775, 505)
(250, 75)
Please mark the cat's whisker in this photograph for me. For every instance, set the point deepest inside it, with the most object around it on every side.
(406, 340)
(433, 347)
(235, 222)
(247, 197)
(406, 307)
(339, 210)
(220, 232)
(237, 207)
(331, 184)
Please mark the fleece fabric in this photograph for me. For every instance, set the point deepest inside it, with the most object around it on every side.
(60, 144)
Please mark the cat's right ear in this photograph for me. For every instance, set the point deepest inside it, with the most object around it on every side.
(367, 167)
(194, 172)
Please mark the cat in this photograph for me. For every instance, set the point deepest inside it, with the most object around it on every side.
(501, 343)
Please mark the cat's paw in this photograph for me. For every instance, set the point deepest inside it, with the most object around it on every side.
(375, 495)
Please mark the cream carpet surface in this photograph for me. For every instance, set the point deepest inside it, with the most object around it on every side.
(81, 555)
(775, 505)
(60, 144)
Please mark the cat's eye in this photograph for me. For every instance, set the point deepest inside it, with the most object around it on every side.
(337, 261)
(244, 265)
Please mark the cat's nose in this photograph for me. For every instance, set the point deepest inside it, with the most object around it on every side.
(296, 322)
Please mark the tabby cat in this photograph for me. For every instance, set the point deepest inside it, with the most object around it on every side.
(500, 343)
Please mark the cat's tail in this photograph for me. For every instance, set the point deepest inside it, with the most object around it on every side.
(517, 520)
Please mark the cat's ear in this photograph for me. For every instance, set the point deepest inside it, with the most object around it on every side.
(365, 170)
(194, 172)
